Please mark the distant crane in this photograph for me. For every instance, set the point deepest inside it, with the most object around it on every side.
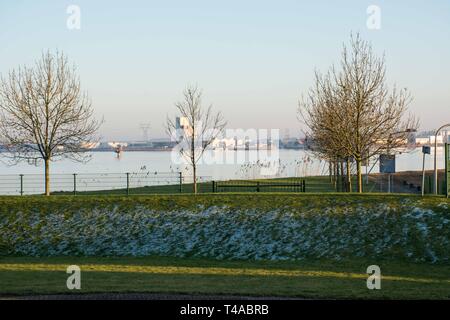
(145, 127)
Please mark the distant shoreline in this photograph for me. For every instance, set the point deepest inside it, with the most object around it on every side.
(170, 149)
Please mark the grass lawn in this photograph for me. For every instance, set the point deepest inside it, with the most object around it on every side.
(313, 184)
(305, 279)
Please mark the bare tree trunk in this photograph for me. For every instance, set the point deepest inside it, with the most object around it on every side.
(342, 181)
(194, 171)
(335, 175)
(330, 171)
(194, 161)
(359, 174)
(349, 177)
(47, 177)
(338, 176)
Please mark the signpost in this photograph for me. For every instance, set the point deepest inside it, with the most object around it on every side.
(447, 170)
(425, 150)
(387, 165)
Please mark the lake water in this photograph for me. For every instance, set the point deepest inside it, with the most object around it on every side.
(218, 165)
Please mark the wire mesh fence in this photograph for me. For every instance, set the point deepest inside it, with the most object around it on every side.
(176, 182)
(99, 183)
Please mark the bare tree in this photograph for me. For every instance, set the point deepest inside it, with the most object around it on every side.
(44, 115)
(351, 112)
(196, 129)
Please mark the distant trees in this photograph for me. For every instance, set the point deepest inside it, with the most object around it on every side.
(198, 127)
(351, 114)
(43, 113)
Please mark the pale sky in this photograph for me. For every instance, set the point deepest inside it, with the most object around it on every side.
(253, 59)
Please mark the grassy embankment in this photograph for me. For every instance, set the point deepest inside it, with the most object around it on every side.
(309, 278)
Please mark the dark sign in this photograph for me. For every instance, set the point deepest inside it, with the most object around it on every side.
(426, 149)
(387, 163)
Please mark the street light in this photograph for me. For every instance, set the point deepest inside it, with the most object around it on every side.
(435, 157)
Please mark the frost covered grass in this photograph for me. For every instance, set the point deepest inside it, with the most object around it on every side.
(319, 278)
(233, 226)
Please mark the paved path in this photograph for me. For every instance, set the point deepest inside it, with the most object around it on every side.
(139, 296)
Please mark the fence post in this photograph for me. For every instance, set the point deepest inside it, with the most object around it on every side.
(181, 181)
(257, 186)
(21, 184)
(128, 183)
(213, 186)
(74, 184)
(303, 185)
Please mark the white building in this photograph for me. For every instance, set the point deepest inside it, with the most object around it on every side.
(182, 128)
(439, 139)
(423, 141)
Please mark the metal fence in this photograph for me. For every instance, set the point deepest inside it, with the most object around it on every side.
(277, 185)
(402, 182)
(140, 183)
(99, 183)
(176, 182)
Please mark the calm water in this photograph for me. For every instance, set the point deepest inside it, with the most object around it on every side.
(219, 165)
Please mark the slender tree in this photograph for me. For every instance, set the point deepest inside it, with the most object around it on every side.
(199, 127)
(44, 115)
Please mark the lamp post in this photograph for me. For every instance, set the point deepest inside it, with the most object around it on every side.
(435, 157)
